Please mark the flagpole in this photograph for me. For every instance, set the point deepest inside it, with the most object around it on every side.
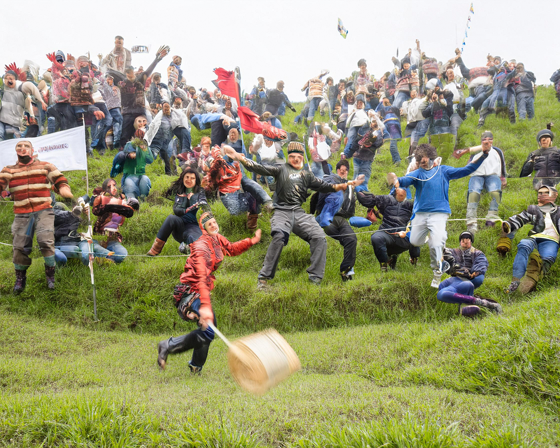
(90, 231)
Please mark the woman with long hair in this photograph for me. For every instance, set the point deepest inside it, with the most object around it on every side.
(189, 197)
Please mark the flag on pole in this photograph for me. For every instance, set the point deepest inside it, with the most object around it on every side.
(227, 83)
(472, 9)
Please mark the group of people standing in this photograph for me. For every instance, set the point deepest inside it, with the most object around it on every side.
(151, 119)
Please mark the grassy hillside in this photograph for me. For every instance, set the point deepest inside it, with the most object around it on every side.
(383, 361)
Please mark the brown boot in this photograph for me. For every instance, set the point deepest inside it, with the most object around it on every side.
(156, 247)
(252, 221)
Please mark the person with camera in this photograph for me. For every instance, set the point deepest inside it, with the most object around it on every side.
(258, 96)
(439, 110)
(192, 295)
(468, 267)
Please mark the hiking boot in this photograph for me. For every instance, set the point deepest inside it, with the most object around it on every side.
(262, 284)
(414, 261)
(21, 280)
(162, 353)
(315, 280)
(469, 310)
(156, 248)
(252, 221)
(195, 370)
(185, 248)
(49, 272)
(437, 278)
(488, 303)
(527, 285)
(384, 267)
(393, 262)
(512, 286)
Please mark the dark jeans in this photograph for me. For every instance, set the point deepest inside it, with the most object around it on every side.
(160, 146)
(340, 230)
(99, 128)
(385, 245)
(183, 232)
(195, 340)
(127, 128)
(184, 137)
(64, 116)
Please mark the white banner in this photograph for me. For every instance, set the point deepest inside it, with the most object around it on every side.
(65, 149)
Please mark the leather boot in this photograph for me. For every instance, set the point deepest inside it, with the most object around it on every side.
(252, 221)
(162, 353)
(511, 116)
(49, 272)
(21, 280)
(156, 247)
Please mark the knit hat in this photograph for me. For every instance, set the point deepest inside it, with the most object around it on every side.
(545, 133)
(205, 217)
(11, 72)
(466, 234)
(295, 148)
(487, 134)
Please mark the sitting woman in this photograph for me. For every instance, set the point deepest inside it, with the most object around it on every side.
(111, 208)
(192, 295)
(189, 197)
(227, 177)
(135, 183)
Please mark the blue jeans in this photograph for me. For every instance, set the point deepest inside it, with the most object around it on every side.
(401, 98)
(276, 123)
(525, 105)
(420, 130)
(134, 185)
(362, 167)
(490, 183)
(456, 122)
(317, 169)
(313, 106)
(454, 285)
(351, 134)
(184, 137)
(117, 125)
(547, 249)
(101, 127)
(255, 190)
(239, 202)
(6, 129)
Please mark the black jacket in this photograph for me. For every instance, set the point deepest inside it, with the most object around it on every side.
(544, 162)
(182, 203)
(65, 226)
(274, 99)
(291, 184)
(533, 215)
(395, 214)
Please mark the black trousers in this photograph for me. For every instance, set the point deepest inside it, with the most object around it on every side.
(385, 245)
(128, 128)
(340, 230)
(182, 232)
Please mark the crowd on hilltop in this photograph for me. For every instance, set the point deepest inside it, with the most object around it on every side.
(134, 113)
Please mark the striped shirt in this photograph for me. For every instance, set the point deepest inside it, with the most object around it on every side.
(30, 185)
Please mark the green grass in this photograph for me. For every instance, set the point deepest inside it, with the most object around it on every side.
(384, 363)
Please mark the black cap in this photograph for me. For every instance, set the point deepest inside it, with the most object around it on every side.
(466, 234)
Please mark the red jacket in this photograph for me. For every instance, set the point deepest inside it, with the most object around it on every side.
(206, 256)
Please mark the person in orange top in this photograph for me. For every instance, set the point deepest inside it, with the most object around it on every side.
(192, 295)
(29, 182)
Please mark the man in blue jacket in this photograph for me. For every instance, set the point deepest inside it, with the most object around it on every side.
(431, 204)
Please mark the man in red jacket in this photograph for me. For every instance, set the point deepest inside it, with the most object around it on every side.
(29, 181)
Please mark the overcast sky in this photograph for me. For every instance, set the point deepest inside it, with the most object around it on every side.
(288, 40)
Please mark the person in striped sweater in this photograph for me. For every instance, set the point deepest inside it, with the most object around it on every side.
(29, 182)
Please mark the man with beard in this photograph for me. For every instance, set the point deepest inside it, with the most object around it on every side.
(30, 181)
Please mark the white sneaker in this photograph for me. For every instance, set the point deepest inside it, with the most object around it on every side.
(437, 278)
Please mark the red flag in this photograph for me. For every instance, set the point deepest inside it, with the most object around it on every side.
(227, 83)
(249, 120)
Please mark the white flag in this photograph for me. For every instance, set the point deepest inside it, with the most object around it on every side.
(65, 149)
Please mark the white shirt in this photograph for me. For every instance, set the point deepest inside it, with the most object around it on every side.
(491, 166)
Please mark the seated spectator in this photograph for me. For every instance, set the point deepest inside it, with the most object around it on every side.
(111, 208)
(189, 198)
(135, 183)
